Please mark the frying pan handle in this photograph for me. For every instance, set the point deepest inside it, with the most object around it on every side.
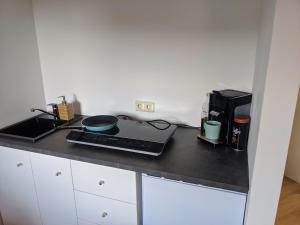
(70, 128)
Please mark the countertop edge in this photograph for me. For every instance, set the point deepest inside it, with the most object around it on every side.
(155, 173)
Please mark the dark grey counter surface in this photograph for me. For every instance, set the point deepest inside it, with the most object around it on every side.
(185, 159)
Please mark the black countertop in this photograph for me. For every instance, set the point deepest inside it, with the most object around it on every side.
(185, 159)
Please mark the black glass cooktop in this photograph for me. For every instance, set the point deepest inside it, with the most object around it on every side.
(128, 135)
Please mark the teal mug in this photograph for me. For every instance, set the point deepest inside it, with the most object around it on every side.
(212, 129)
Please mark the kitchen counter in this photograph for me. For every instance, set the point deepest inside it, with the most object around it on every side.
(185, 159)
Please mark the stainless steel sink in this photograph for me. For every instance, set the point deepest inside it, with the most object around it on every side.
(34, 128)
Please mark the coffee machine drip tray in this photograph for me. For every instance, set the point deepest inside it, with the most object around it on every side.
(210, 141)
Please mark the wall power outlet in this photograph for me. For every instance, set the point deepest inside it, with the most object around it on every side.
(144, 106)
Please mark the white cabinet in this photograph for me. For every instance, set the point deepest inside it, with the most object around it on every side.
(83, 222)
(104, 195)
(54, 189)
(18, 201)
(37, 189)
(104, 211)
(177, 203)
(104, 181)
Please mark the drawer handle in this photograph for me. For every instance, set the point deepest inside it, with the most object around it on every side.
(101, 182)
(19, 164)
(105, 214)
(58, 174)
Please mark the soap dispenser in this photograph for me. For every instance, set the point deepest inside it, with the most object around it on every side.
(65, 109)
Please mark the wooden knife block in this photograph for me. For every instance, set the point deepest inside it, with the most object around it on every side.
(66, 111)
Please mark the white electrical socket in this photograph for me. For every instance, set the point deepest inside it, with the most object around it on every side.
(149, 107)
(139, 106)
(144, 106)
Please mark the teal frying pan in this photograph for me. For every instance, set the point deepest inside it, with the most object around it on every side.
(95, 123)
(99, 123)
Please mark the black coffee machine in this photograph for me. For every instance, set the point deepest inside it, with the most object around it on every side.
(222, 108)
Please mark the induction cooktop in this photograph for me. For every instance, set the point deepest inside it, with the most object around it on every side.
(127, 135)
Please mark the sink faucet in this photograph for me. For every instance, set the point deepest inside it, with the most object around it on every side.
(54, 114)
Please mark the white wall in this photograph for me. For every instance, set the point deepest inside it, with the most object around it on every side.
(261, 67)
(279, 96)
(111, 52)
(292, 169)
(20, 74)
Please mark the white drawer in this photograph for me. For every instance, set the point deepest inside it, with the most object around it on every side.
(104, 211)
(104, 181)
(83, 222)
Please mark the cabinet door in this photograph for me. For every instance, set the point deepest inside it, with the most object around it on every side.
(83, 222)
(176, 203)
(104, 181)
(54, 189)
(105, 211)
(18, 201)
